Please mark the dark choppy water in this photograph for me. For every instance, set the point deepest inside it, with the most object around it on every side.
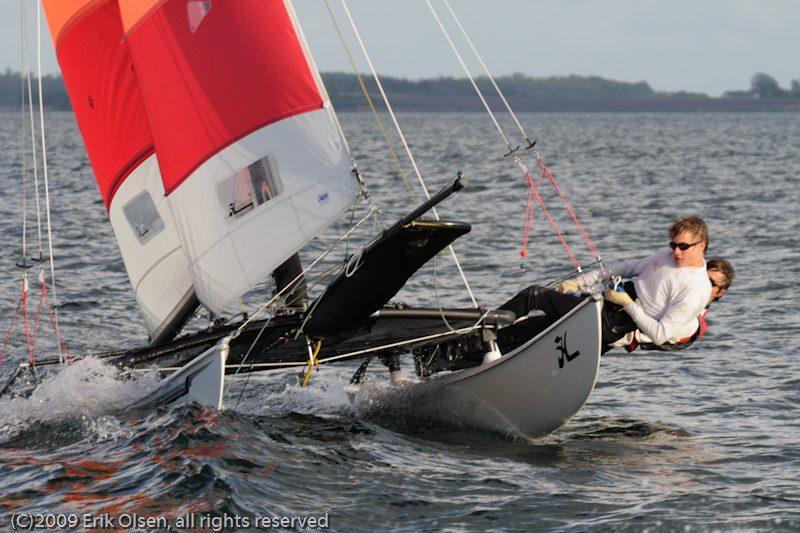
(705, 440)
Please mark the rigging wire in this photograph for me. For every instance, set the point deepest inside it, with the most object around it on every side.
(522, 130)
(471, 79)
(25, 66)
(512, 150)
(291, 285)
(34, 158)
(300, 275)
(22, 146)
(371, 106)
(24, 266)
(46, 184)
(491, 78)
(400, 133)
(386, 101)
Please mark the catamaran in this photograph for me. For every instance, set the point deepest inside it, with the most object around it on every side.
(219, 156)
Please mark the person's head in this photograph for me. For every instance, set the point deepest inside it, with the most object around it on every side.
(721, 274)
(689, 241)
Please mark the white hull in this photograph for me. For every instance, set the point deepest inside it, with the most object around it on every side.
(529, 392)
(201, 380)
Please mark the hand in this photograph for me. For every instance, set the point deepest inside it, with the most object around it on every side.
(616, 297)
(570, 285)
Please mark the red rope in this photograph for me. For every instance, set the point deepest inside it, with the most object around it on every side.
(546, 212)
(61, 346)
(35, 328)
(9, 331)
(529, 214)
(43, 298)
(575, 218)
(528, 217)
(23, 302)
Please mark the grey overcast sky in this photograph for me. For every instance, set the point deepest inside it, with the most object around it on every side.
(704, 46)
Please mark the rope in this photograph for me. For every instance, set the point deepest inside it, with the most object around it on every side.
(312, 361)
(369, 100)
(402, 138)
(22, 303)
(546, 212)
(522, 167)
(46, 184)
(488, 74)
(574, 217)
(528, 219)
(62, 347)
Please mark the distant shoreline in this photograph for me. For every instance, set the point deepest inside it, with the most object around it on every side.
(524, 94)
(598, 104)
(564, 104)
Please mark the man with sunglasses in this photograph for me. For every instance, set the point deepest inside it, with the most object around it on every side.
(720, 274)
(669, 289)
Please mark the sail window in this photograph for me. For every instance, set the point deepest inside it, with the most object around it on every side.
(250, 188)
(143, 217)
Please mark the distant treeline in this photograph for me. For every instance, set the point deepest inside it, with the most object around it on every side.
(53, 91)
(345, 90)
(557, 93)
(765, 86)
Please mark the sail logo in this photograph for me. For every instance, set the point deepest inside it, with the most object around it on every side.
(562, 347)
(323, 197)
(197, 11)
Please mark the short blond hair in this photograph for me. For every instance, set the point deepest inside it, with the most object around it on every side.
(692, 225)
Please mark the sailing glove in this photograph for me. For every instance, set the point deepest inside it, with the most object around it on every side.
(570, 285)
(616, 297)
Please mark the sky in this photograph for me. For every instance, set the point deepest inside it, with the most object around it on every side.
(706, 46)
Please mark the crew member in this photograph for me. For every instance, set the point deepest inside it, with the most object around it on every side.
(720, 274)
(670, 289)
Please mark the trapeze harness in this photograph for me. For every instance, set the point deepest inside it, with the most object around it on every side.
(673, 346)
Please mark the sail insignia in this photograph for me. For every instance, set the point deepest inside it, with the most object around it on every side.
(197, 11)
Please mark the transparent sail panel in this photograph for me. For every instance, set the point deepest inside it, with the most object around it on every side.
(151, 249)
(249, 188)
(143, 217)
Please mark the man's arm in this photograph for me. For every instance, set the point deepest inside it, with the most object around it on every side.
(625, 269)
(683, 308)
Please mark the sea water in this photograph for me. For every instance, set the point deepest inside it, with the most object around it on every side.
(702, 440)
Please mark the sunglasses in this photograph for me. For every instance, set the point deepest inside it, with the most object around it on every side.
(713, 283)
(683, 246)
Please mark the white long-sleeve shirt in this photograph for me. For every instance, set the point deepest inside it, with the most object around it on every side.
(668, 296)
